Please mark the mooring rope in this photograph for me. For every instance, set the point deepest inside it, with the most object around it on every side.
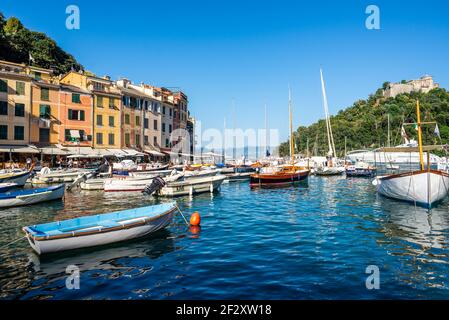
(176, 205)
(12, 242)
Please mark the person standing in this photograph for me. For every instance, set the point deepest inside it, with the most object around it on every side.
(28, 163)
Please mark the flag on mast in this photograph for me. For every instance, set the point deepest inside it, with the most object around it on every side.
(30, 58)
(437, 131)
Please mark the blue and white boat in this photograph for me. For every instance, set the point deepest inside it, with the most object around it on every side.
(7, 186)
(97, 230)
(31, 196)
(18, 177)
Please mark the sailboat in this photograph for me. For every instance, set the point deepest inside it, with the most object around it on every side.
(330, 168)
(424, 187)
(282, 175)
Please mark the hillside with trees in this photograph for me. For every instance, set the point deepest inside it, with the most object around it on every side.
(365, 123)
(17, 43)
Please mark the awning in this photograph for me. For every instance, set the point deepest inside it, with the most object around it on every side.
(155, 153)
(132, 152)
(150, 149)
(103, 152)
(54, 151)
(18, 149)
(170, 153)
(75, 134)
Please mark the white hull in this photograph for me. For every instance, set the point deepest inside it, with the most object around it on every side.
(93, 184)
(192, 186)
(422, 187)
(98, 239)
(58, 177)
(32, 199)
(116, 185)
(329, 171)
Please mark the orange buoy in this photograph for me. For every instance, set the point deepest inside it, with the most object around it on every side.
(195, 219)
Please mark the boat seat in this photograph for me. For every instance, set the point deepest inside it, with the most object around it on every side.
(52, 233)
(109, 224)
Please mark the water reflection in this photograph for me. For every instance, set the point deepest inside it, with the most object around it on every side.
(420, 240)
(416, 225)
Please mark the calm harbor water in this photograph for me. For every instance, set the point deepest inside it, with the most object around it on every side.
(312, 241)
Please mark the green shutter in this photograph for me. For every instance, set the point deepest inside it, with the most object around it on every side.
(82, 116)
(20, 88)
(45, 94)
(3, 85)
(76, 98)
(100, 102)
(45, 111)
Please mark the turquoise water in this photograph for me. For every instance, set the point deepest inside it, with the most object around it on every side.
(312, 241)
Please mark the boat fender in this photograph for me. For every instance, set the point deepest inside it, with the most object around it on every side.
(376, 182)
(195, 219)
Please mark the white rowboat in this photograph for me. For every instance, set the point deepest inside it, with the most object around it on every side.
(97, 230)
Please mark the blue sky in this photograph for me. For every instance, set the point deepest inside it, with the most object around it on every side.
(250, 51)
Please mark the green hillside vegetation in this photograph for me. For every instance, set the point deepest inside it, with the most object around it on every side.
(365, 123)
(17, 43)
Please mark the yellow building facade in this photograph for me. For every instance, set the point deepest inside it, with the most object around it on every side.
(106, 108)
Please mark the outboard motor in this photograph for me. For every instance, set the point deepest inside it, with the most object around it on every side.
(157, 184)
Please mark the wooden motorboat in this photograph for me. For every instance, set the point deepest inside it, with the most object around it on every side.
(96, 230)
(31, 196)
(285, 176)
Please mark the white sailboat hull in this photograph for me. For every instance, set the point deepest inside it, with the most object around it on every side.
(425, 188)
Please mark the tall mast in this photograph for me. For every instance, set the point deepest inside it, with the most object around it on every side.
(234, 142)
(388, 139)
(345, 148)
(330, 138)
(418, 115)
(292, 144)
(308, 154)
(266, 131)
(224, 141)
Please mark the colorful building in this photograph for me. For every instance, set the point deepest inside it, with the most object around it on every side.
(45, 120)
(76, 116)
(15, 104)
(106, 131)
(41, 113)
(131, 116)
